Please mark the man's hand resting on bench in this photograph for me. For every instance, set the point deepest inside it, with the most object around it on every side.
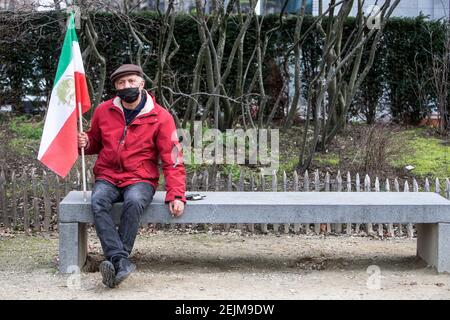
(176, 207)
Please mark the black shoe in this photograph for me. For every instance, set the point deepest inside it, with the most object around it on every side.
(108, 273)
(123, 269)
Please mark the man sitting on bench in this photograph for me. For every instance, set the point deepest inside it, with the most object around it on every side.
(129, 133)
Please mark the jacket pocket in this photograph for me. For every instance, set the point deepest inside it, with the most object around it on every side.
(100, 163)
(149, 170)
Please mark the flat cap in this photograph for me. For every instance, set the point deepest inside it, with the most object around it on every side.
(126, 69)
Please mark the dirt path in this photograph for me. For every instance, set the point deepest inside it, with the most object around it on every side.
(172, 265)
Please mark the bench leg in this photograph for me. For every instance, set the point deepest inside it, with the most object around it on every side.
(433, 245)
(72, 246)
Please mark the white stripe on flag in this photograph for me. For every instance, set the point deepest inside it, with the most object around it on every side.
(58, 112)
(76, 58)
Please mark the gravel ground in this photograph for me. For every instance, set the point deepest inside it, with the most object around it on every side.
(234, 265)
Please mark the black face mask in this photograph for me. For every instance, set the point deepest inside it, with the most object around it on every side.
(129, 95)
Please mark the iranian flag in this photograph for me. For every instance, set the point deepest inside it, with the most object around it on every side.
(59, 142)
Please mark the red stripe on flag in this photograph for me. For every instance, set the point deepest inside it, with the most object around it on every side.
(81, 92)
(63, 151)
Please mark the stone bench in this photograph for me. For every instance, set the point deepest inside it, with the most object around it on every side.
(429, 211)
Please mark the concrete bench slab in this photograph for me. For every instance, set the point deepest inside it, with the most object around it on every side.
(429, 211)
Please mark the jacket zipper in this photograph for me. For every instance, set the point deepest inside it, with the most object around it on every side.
(122, 140)
(123, 135)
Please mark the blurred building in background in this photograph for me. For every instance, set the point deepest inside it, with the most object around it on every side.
(434, 9)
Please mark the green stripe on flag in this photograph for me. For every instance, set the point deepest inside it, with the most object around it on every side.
(66, 52)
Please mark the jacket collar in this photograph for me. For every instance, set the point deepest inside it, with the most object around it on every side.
(149, 108)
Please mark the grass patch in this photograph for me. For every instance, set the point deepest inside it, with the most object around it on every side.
(26, 135)
(327, 159)
(429, 155)
(27, 128)
(288, 165)
(22, 146)
(233, 169)
(191, 168)
(27, 252)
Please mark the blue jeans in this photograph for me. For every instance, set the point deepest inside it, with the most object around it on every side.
(118, 243)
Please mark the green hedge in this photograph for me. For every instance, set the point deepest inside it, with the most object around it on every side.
(29, 56)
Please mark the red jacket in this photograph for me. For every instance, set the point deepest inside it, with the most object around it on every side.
(128, 155)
